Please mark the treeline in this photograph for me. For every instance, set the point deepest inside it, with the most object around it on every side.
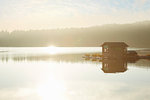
(136, 35)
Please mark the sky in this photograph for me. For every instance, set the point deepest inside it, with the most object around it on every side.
(49, 14)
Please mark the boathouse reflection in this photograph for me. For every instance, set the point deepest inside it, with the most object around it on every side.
(114, 66)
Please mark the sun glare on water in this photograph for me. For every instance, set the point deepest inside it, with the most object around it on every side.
(52, 90)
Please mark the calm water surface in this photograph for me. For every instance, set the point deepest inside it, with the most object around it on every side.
(62, 74)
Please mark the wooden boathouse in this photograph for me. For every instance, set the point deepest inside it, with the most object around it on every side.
(114, 50)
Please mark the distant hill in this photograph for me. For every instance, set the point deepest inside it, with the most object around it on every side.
(135, 35)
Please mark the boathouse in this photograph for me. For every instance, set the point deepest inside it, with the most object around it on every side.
(114, 50)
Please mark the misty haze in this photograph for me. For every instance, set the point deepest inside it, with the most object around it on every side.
(74, 49)
(136, 34)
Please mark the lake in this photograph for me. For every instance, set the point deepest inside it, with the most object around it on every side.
(60, 73)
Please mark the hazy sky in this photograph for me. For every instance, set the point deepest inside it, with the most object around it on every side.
(46, 14)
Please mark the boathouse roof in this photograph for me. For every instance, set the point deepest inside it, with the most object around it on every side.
(115, 44)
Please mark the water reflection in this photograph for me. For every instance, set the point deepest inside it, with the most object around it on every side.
(114, 66)
(117, 65)
(108, 66)
(70, 77)
(120, 65)
(42, 57)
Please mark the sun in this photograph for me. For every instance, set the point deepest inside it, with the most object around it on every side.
(52, 46)
(52, 49)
